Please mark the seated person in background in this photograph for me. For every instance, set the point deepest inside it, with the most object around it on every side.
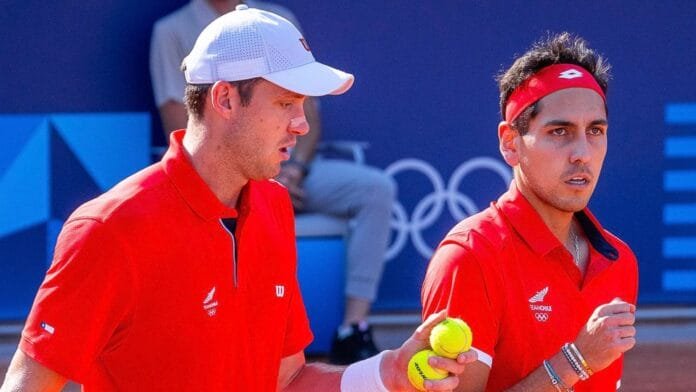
(550, 295)
(336, 187)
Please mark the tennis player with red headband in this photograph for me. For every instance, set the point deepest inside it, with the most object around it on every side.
(550, 294)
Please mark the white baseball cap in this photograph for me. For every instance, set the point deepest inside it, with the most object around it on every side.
(249, 43)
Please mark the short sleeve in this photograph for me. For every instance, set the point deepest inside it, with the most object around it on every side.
(636, 276)
(298, 332)
(456, 281)
(84, 303)
(166, 55)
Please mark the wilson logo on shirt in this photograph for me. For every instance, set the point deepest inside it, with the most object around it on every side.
(280, 291)
(210, 303)
(541, 311)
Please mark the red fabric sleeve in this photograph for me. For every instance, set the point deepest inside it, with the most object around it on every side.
(84, 299)
(298, 333)
(636, 279)
(457, 281)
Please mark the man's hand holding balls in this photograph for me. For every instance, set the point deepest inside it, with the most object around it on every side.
(426, 369)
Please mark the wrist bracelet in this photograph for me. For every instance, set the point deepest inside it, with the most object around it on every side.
(555, 380)
(582, 360)
(364, 376)
(574, 362)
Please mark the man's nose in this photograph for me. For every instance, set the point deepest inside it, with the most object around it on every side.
(581, 150)
(298, 126)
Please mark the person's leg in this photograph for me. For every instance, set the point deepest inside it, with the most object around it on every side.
(356, 310)
(364, 195)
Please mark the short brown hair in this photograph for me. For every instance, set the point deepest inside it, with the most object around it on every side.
(196, 94)
(563, 48)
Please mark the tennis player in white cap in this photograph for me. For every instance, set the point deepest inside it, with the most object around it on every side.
(182, 277)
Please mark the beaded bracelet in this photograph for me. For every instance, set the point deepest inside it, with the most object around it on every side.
(555, 380)
(574, 363)
(582, 360)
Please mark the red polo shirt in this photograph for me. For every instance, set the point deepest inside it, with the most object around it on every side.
(144, 293)
(518, 288)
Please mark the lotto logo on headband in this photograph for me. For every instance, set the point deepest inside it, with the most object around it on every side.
(570, 74)
(548, 80)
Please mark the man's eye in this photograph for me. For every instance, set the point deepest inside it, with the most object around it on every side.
(558, 131)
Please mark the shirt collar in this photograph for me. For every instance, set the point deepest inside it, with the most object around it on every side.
(195, 192)
(532, 229)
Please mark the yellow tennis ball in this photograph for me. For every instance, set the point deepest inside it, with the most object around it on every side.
(451, 337)
(419, 370)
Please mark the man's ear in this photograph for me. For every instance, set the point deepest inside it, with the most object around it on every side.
(224, 99)
(508, 138)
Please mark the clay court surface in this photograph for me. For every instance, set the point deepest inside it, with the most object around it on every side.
(661, 367)
(663, 360)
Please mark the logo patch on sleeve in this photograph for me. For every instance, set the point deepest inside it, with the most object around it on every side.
(47, 327)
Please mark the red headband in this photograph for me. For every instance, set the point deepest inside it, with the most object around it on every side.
(548, 80)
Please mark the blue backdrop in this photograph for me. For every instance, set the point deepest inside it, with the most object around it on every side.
(426, 101)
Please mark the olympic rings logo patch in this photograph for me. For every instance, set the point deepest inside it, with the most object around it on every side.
(430, 208)
(541, 317)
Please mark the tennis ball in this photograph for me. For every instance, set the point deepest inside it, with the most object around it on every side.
(450, 337)
(419, 370)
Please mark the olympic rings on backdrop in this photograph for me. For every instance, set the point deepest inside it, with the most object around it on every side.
(429, 209)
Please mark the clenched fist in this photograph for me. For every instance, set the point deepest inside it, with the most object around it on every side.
(608, 333)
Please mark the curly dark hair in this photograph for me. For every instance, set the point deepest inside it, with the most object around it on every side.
(195, 95)
(563, 48)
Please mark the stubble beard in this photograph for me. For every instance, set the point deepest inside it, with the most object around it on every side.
(553, 198)
(566, 204)
(244, 154)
